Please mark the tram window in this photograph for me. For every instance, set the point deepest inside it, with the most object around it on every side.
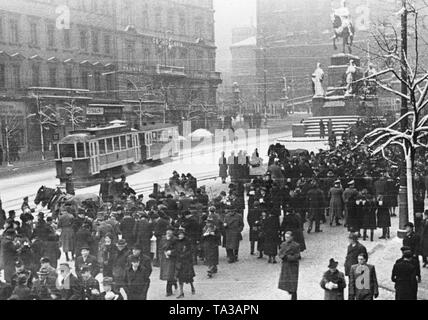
(109, 145)
(66, 150)
(123, 142)
(102, 144)
(80, 150)
(116, 143)
(129, 141)
(56, 151)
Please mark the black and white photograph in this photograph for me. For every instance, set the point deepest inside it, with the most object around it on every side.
(226, 151)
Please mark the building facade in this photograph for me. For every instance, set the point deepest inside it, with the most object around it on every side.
(104, 57)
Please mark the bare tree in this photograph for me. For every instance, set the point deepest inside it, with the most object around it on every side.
(46, 117)
(12, 125)
(72, 113)
(415, 135)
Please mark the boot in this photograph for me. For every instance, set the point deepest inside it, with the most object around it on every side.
(388, 234)
(364, 235)
(252, 244)
(371, 235)
(260, 255)
(193, 289)
(270, 259)
(181, 295)
(273, 260)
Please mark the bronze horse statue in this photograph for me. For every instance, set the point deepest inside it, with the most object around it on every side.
(344, 32)
(56, 200)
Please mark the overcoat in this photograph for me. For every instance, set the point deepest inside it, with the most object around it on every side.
(184, 271)
(357, 292)
(352, 256)
(383, 216)
(336, 202)
(167, 264)
(254, 215)
(338, 278)
(222, 167)
(404, 276)
(369, 215)
(424, 239)
(210, 242)
(293, 222)
(65, 222)
(9, 254)
(289, 252)
(271, 231)
(233, 229)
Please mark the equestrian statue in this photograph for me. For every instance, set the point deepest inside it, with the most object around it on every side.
(343, 27)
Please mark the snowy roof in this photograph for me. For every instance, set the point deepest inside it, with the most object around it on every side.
(250, 42)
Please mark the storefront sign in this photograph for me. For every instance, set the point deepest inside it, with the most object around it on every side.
(94, 111)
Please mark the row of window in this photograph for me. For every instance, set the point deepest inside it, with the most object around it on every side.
(172, 21)
(52, 77)
(92, 40)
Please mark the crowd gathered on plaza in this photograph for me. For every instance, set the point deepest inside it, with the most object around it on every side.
(110, 252)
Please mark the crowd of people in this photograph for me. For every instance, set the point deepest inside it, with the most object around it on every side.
(181, 226)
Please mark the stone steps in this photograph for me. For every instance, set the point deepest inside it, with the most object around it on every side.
(340, 124)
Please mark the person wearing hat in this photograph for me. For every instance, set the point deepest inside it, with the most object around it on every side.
(45, 264)
(120, 262)
(354, 249)
(44, 287)
(143, 232)
(233, 226)
(211, 239)
(289, 253)
(109, 293)
(86, 260)
(20, 270)
(67, 285)
(254, 214)
(406, 274)
(9, 254)
(90, 286)
(367, 290)
(160, 225)
(83, 237)
(333, 282)
(21, 290)
(336, 203)
(25, 205)
(348, 193)
(137, 278)
(411, 238)
(316, 206)
(65, 223)
(168, 260)
(184, 266)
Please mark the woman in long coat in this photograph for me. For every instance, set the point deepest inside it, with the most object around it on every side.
(168, 260)
(210, 243)
(184, 271)
(383, 217)
(65, 223)
(355, 214)
(271, 230)
(289, 252)
(293, 222)
(222, 163)
(336, 203)
(369, 216)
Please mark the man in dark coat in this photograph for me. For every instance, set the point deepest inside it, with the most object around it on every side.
(233, 226)
(253, 216)
(316, 206)
(354, 249)
(44, 287)
(87, 260)
(9, 254)
(168, 261)
(365, 289)
(405, 276)
(289, 252)
(120, 263)
(159, 229)
(143, 233)
(127, 226)
(137, 278)
(333, 282)
(105, 189)
(411, 239)
(90, 286)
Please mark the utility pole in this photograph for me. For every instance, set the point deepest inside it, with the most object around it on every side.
(403, 203)
(264, 80)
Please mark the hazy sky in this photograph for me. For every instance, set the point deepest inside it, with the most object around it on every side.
(230, 14)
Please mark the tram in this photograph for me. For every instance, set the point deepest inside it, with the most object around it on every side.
(91, 152)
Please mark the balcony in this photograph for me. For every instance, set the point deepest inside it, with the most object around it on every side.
(170, 71)
(204, 75)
